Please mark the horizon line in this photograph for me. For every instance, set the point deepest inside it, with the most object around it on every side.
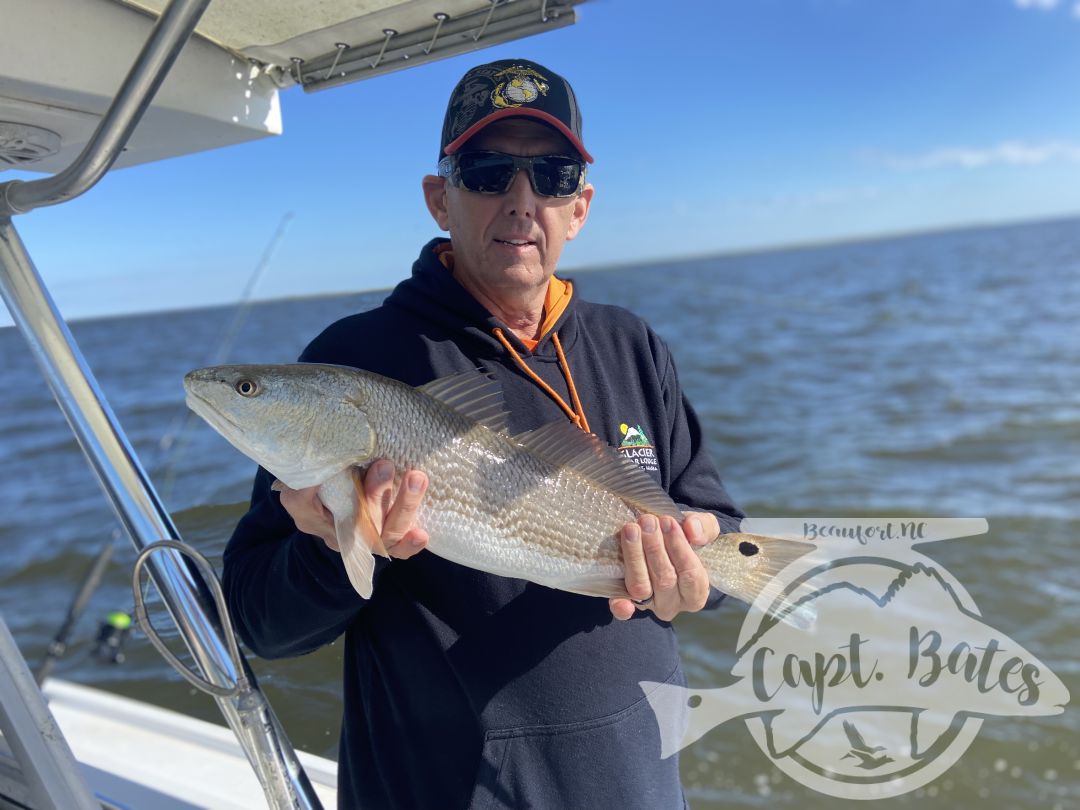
(749, 250)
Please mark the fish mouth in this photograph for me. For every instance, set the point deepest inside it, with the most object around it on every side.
(204, 408)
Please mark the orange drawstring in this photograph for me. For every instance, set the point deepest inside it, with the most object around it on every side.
(577, 413)
(583, 423)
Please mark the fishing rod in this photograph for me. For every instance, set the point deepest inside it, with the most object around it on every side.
(173, 438)
(58, 646)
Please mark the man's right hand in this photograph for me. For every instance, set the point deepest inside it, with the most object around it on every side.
(394, 514)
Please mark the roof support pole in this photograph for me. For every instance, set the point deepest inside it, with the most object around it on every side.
(145, 520)
(98, 432)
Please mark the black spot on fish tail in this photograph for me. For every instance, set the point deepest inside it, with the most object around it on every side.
(748, 549)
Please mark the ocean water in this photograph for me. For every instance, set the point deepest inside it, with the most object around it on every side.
(929, 375)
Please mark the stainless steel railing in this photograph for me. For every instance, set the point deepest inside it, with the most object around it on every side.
(126, 485)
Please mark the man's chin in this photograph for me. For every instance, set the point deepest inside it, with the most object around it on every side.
(497, 270)
(520, 269)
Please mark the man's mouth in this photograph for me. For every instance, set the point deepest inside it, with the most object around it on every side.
(515, 242)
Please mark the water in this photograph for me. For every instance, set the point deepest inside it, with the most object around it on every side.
(927, 375)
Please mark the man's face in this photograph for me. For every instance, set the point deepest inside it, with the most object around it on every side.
(487, 229)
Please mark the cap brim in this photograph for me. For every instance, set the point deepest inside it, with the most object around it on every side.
(518, 112)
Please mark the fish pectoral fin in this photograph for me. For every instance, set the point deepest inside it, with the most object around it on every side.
(608, 587)
(338, 494)
(365, 526)
(358, 559)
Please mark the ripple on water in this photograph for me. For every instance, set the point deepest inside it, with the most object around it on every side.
(929, 375)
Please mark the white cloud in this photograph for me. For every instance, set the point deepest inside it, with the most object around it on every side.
(1012, 153)
(1046, 5)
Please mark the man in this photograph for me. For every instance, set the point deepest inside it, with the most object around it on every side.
(464, 689)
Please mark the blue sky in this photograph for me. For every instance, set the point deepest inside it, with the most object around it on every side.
(728, 125)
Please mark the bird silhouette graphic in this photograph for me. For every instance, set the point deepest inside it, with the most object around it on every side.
(863, 752)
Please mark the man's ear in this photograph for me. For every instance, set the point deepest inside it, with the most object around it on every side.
(581, 211)
(435, 197)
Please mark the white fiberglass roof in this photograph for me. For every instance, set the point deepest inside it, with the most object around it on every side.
(57, 80)
(369, 36)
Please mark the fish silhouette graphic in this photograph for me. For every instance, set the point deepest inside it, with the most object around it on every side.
(893, 645)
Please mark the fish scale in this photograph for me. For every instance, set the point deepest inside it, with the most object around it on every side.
(545, 505)
(475, 513)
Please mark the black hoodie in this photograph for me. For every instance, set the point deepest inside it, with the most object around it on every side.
(464, 689)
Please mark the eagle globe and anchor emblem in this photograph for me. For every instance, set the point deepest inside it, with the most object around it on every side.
(517, 86)
(866, 670)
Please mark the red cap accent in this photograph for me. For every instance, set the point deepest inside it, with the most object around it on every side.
(518, 112)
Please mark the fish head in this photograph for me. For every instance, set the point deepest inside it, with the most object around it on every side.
(303, 422)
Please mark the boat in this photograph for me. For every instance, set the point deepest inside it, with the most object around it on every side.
(119, 83)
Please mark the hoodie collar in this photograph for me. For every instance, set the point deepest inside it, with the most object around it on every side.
(556, 300)
(434, 295)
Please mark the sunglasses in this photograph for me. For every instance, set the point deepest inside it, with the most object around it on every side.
(494, 172)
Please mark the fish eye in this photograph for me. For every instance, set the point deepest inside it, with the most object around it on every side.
(247, 388)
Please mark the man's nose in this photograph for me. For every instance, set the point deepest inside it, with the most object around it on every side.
(520, 199)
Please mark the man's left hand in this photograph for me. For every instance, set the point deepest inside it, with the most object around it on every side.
(660, 563)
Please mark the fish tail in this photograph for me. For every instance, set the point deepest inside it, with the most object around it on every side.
(745, 565)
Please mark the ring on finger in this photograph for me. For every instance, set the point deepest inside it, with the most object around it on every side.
(643, 602)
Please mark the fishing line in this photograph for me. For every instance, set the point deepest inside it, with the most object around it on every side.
(175, 439)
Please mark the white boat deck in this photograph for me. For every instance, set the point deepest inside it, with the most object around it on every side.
(138, 756)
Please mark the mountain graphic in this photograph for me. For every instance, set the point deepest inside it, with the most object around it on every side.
(634, 437)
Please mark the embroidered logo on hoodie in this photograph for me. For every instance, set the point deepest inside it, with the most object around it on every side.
(637, 447)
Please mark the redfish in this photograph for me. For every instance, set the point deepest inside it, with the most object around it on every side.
(546, 505)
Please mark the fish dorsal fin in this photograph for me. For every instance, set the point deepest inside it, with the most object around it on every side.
(474, 394)
(566, 445)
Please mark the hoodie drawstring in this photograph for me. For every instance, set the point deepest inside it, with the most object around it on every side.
(577, 413)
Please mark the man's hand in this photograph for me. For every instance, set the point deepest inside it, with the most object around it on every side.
(661, 564)
(394, 515)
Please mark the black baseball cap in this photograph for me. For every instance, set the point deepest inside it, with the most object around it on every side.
(510, 88)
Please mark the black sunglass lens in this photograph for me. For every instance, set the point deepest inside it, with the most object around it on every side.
(492, 173)
(556, 176)
(486, 173)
